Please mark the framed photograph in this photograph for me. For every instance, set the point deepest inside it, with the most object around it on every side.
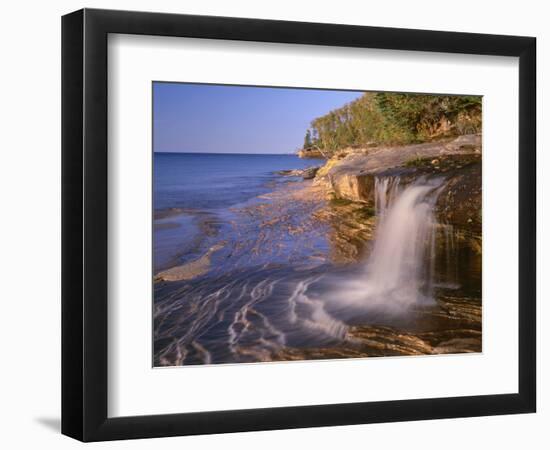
(273, 224)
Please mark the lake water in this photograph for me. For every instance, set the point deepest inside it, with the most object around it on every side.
(216, 181)
(256, 280)
(193, 195)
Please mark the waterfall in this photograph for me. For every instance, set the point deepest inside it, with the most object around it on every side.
(401, 264)
(400, 270)
(385, 190)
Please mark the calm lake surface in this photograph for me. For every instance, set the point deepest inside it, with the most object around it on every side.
(216, 181)
(194, 192)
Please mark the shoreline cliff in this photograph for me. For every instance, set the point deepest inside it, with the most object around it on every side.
(350, 177)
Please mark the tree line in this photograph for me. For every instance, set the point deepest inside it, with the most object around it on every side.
(394, 119)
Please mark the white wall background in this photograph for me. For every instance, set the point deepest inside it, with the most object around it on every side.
(30, 226)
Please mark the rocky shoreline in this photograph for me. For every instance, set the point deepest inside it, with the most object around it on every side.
(343, 194)
(350, 176)
(327, 221)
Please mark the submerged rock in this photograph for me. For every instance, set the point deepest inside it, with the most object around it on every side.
(452, 326)
(190, 270)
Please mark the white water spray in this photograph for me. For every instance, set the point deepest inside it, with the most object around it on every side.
(399, 272)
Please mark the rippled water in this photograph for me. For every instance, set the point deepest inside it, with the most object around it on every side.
(271, 286)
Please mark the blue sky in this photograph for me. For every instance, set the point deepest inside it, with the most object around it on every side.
(237, 119)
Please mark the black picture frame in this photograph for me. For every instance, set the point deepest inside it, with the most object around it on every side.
(84, 224)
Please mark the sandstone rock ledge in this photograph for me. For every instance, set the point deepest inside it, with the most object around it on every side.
(351, 176)
(311, 153)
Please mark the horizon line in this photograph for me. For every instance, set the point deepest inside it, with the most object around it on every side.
(225, 153)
